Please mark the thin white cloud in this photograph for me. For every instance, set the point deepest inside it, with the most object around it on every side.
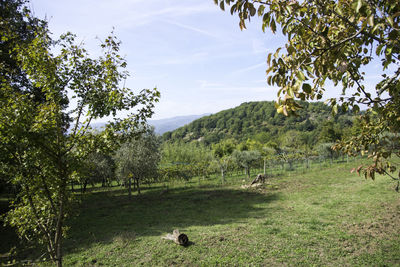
(179, 60)
(135, 17)
(207, 84)
(191, 28)
(253, 67)
(259, 47)
(235, 90)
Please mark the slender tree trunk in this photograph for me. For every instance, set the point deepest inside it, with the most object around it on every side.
(130, 188)
(58, 237)
(84, 186)
(265, 165)
(223, 174)
(137, 184)
(60, 221)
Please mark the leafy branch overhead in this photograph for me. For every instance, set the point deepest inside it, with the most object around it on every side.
(335, 40)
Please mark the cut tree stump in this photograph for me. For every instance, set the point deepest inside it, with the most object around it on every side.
(177, 237)
(260, 178)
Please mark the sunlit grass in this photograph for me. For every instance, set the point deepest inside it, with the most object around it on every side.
(324, 216)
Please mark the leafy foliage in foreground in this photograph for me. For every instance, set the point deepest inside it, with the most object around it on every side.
(45, 137)
(336, 40)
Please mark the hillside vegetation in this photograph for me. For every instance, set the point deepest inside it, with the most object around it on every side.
(261, 122)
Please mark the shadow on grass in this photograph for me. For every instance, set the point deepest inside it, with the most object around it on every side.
(105, 216)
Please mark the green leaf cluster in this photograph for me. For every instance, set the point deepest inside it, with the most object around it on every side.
(50, 92)
(336, 40)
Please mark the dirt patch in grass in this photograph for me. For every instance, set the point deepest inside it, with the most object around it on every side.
(383, 225)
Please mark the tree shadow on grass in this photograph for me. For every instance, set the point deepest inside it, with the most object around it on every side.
(107, 215)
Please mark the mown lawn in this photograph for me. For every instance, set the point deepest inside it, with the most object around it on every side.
(323, 217)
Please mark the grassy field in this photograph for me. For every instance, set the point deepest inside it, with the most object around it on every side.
(323, 217)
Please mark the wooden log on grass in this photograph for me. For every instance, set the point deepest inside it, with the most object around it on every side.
(260, 178)
(177, 237)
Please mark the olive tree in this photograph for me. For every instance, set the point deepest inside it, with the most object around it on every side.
(246, 159)
(222, 153)
(180, 155)
(98, 167)
(138, 159)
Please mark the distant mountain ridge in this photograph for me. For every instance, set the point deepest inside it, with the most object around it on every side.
(164, 125)
(169, 124)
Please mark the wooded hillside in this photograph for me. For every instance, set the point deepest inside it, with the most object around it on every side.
(260, 121)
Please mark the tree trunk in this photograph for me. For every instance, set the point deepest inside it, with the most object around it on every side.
(58, 235)
(223, 174)
(265, 165)
(130, 188)
(84, 186)
(248, 172)
(137, 185)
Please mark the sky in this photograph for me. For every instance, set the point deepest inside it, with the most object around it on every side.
(193, 52)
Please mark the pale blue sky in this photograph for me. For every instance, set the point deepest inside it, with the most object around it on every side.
(193, 52)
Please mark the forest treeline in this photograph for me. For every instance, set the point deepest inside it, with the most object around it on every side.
(261, 122)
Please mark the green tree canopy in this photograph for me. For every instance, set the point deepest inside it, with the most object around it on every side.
(138, 159)
(335, 40)
(246, 159)
(222, 152)
(44, 143)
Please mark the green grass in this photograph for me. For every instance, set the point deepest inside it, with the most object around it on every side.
(322, 217)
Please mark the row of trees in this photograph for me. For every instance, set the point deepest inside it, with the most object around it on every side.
(186, 160)
(145, 159)
(136, 160)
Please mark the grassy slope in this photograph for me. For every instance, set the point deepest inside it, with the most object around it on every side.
(323, 217)
(327, 217)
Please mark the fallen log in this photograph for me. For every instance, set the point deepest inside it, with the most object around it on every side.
(177, 237)
(260, 178)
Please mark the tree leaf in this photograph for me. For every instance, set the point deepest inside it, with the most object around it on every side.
(371, 20)
(359, 5)
(306, 88)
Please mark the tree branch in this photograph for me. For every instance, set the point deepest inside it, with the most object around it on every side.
(391, 80)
